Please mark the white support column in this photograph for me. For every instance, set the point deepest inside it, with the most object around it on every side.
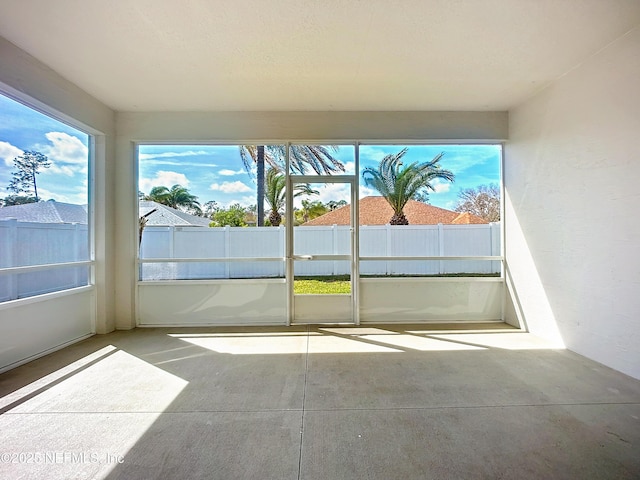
(355, 239)
(289, 239)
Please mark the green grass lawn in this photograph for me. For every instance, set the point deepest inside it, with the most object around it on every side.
(341, 284)
(322, 285)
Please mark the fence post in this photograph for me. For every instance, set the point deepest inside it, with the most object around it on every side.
(172, 254)
(494, 235)
(441, 247)
(10, 255)
(388, 268)
(172, 231)
(76, 254)
(334, 249)
(227, 250)
(281, 249)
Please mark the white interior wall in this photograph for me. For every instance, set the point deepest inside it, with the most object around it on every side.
(39, 325)
(25, 78)
(572, 232)
(258, 127)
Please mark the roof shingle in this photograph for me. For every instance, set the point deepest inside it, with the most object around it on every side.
(60, 212)
(376, 211)
(166, 216)
(46, 212)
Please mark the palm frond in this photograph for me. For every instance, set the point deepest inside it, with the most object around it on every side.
(399, 183)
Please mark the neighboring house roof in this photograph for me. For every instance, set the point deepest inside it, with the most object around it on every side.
(376, 211)
(59, 212)
(168, 217)
(46, 212)
(467, 218)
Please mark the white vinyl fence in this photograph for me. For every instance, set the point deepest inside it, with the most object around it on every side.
(29, 243)
(375, 241)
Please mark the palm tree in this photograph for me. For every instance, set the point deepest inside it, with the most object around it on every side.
(275, 194)
(177, 197)
(399, 185)
(310, 210)
(318, 158)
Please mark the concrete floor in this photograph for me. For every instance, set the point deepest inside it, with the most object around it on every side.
(383, 402)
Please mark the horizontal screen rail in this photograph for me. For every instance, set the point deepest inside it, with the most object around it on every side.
(393, 259)
(211, 260)
(46, 266)
(316, 258)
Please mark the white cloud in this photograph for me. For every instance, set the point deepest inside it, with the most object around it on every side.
(229, 173)
(245, 201)
(336, 192)
(327, 192)
(368, 192)
(440, 186)
(171, 163)
(163, 178)
(374, 154)
(190, 153)
(8, 152)
(464, 157)
(349, 168)
(230, 187)
(62, 169)
(78, 198)
(66, 148)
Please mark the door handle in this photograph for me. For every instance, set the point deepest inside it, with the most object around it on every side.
(302, 257)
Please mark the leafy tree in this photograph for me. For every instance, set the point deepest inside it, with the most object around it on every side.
(233, 216)
(398, 184)
(177, 197)
(483, 201)
(302, 157)
(28, 165)
(333, 205)
(209, 208)
(275, 183)
(310, 210)
(11, 200)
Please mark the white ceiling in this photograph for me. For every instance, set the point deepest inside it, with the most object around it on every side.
(219, 55)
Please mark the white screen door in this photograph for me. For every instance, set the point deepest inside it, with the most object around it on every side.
(322, 275)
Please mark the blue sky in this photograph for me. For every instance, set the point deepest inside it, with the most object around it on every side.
(216, 172)
(209, 172)
(21, 129)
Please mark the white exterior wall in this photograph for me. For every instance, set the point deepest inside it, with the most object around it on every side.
(264, 302)
(424, 300)
(571, 225)
(191, 303)
(28, 80)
